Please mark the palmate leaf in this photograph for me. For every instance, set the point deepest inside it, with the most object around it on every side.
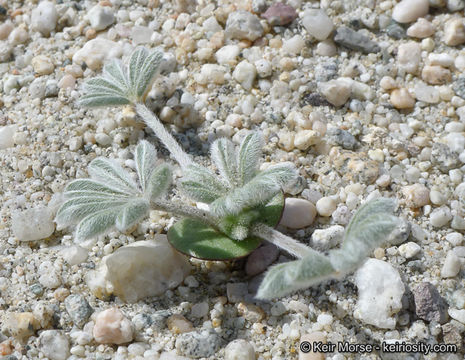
(111, 198)
(121, 85)
(369, 228)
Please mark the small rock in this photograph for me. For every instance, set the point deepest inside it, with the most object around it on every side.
(444, 158)
(236, 292)
(454, 238)
(326, 206)
(18, 36)
(263, 67)
(451, 266)
(294, 45)
(409, 57)
(67, 82)
(454, 32)
(32, 224)
(245, 74)
(141, 35)
(452, 335)
(44, 18)
(409, 250)
(342, 138)
(78, 309)
(178, 324)
(317, 23)
(54, 344)
(355, 40)
(401, 99)
(421, 29)
(239, 349)
(97, 51)
(436, 75)
(6, 136)
(298, 213)
(429, 305)
(410, 10)
(325, 239)
(326, 48)
(100, 17)
(280, 14)
(354, 166)
(141, 269)
(425, 93)
(337, 92)
(440, 217)
(416, 195)
(228, 54)
(42, 65)
(242, 25)
(459, 88)
(199, 310)
(198, 344)
(259, 260)
(395, 31)
(51, 88)
(5, 29)
(380, 291)
(306, 138)
(278, 309)
(458, 314)
(49, 277)
(401, 233)
(20, 325)
(112, 327)
(74, 255)
(251, 312)
(211, 73)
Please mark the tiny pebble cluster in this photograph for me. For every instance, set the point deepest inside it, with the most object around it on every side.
(366, 98)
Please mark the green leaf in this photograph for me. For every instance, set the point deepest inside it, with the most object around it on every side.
(111, 173)
(224, 157)
(146, 158)
(132, 213)
(116, 73)
(159, 182)
(142, 69)
(283, 279)
(194, 238)
(201, 184)
(95, 100)
(250, 152)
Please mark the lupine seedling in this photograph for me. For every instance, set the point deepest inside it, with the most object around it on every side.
(244, 203)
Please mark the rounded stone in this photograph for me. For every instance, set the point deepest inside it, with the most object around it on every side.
(416, 195)
(112, 327)
(326, 206)
(410, 10)
(239, 349)
(298, 213)
(401, 99)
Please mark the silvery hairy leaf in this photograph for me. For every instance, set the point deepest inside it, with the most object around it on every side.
(110, 198)
(223, 155)
(257, 191)
(119, 84)
(145, 158)
(370, 226)
(250, 152)
(201, 184)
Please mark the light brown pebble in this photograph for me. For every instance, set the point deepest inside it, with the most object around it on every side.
(421, 29)
(409, 57)
(112, 327)
(311, 338)
(178, 324)
(6, 347)
(387, 83)
(67, 82)
(250, 312)
(306, 138)
(42, 65)
(454, 32)
(5, 29)
(91, 34)
(436, 75)
(401, 99)
(416, 195)
(326, 206)
(298, 213)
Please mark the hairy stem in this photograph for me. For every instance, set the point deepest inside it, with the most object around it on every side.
(282, 241)
(184, 210)
(166, 138)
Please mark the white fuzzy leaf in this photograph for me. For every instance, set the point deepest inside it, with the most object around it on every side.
(96, 224)
(159, 181)
(285, 278)
(116, 73)
(146, 158)
(201, 184)
(132, 213)
(81, 187)
(250, 152)
(224, 157)
(111, 173)
(142, 68)
(370, 226)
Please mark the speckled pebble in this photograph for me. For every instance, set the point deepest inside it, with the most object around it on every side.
(198, 344)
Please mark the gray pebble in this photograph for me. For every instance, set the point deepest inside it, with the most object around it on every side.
(395, 31)
(342, 138)
(429, 305)
(459, 87)
(355, 40)
(243, 25)
(198, 344)
(78, 309)
(51, 88)
(401, 233)
(443, 157)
